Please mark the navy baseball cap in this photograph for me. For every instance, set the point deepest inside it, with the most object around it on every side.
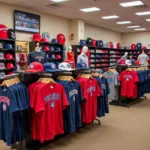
(51, 48)
(58, 49)
(8, 46)
(52, 56)
(101, 43)
(54, 41)
(81, 65)
(83, 42)
(50, 67)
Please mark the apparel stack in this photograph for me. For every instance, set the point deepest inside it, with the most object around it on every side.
(14, 103)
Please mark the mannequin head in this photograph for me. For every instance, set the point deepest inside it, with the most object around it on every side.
(85, 49)
(70, 49)
(37, 44)
(37, 47)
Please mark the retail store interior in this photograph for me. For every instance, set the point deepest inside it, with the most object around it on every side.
(74, 74)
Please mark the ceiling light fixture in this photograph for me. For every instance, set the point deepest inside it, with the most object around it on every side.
(110, 17)
(133, 27)
(90, 9)
(132, 4)
(140, 29)
(147, 19)
(123, 22)
(143, 13)
(58, 1)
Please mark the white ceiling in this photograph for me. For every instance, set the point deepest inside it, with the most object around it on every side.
(70, 10)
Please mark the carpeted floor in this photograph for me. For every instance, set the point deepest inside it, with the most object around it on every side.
(122, 129)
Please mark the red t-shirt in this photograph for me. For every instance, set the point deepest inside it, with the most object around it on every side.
(61, 39)
(129, 81)
(90, 91)
(70, 56)
(50, 103)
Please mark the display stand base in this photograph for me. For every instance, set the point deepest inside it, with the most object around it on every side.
(117, 103)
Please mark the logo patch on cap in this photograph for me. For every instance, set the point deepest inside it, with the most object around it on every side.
(31, 66)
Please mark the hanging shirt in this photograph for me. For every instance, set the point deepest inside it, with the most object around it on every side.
(128, 81)
(113, 83)
(143, 58)
(37, 57)
(90, 91)
(50, 103)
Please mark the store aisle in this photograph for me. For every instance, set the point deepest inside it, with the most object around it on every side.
(122, 129)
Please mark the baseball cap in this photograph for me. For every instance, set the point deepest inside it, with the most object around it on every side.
(10, 73)
(36, 37)
(44, 40)
(10, 65)
(144, 48)
(58, 49)
(101, 43)
(3, 32)
(128, 62)
(9, 56)
(46, 36)
(52, 56)
(137, 62)
(133, 46)
(148, 47)
(89, 41)
(1, 56)
(8, 46)
(2, 75)
(46, 48)
(54, 41)
(81, 65)
(139, 46)
(65, 66)
(118, 45)
(94, 43)
(122, 61)
(83, 42)
(2, 66)
(51, 48)
(50, 67)
(111, 44)
(58, 56)
(149, 61)
(35, 67)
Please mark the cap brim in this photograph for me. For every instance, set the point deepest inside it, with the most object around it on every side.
(49, 70)
(37, 40)
(33, 70)
(67, 69)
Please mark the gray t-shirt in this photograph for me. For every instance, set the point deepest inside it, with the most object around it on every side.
(113, 83)
(143, 58)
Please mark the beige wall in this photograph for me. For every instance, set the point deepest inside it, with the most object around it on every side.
(98, 33)
(49, 23)
(133, 38)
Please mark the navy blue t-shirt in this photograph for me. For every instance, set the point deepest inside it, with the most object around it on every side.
(8, 108)
(72, 115)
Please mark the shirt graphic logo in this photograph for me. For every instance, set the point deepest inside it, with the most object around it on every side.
(127, 77)
(52, 104)
(91, 89)
(52, 97)
(73, 92)
(4, 107)
(74, 98)
(4, 100)
(110, 80)
(103, 86)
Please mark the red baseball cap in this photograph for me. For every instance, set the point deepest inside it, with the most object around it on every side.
(118, 45)
(149, 60)
(35, 67)
(111, 44)
(144, 48)
(44, 40)
(9, 56)
(137, 62)
(93, 43)
(10, 73)
(36, 37)
(46, 48)
(133, 46)
(122, 61)
(58, 56)
(3, 32)
(10, 66)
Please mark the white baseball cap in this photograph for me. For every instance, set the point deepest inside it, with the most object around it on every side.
(128, 62)
(1, 56)
(65, 66)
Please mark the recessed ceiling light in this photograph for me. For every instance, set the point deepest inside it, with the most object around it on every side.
(123, 22)
(133, 26)
(140, 29)
(143, 13)
(147, 19)
(110, 17)
(131, 4)
(90, 9)
(58, 1)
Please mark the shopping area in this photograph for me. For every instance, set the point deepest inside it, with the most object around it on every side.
(74, 74)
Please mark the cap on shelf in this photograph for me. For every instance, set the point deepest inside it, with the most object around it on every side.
(35, 67)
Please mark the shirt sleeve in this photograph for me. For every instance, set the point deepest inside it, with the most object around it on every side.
(64, 99)
(120, 77)
(136, 78)
(117, 79)
(107, 87)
